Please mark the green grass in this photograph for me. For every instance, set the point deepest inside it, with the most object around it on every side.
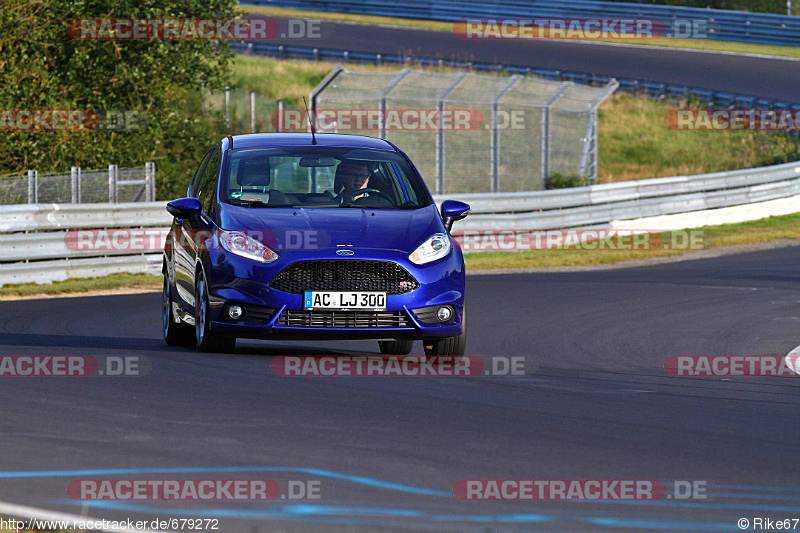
(635, 144)
(765, 230)
(292, 79)
(142, 281)
(695, 44)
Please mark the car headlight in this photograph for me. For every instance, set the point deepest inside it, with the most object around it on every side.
(244, 245)
(436, 247)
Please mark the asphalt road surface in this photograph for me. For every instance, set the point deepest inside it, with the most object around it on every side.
(595, 403)
(758, 76)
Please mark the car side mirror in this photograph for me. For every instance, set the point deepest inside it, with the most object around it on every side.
(453, 210)
(184, 207)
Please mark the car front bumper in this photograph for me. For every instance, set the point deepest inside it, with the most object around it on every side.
(274, 314)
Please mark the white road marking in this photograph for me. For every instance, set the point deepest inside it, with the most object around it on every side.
(24, 512)
(793, 360)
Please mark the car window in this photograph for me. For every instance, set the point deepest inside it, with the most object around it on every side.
(198, 173)
(322, 176)
(209, 180)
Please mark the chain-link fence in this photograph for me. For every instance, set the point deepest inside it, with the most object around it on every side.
(136, 184)
(246, 112)
(469, 132)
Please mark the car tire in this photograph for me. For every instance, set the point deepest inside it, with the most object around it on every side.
(175, 333)
(205, 339)
(396, 347)
(451, 347)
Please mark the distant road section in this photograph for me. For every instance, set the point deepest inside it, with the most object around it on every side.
(765, 77)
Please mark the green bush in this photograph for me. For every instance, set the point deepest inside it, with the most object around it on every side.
(558, 180)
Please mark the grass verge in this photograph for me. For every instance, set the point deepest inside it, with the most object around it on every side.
(634, 143)
(79, 285)
(770, 229)
(693, 44)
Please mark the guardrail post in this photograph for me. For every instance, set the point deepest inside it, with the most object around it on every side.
(495, 137)
(150, 181)
(546, 131)
(252, 112)
(440, 150)
(280, 116)
(312, 96)
(33, 186)
(112, 184)
(384, 93)
(545, 145)
(75, 174)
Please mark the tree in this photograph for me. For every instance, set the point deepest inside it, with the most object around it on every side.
(156, 82)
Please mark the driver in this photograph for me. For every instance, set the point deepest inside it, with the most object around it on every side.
(354, 177)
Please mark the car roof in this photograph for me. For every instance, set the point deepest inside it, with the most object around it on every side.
(267, 140)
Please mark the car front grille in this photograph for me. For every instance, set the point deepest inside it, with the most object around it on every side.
(344, 275)
(344, 319)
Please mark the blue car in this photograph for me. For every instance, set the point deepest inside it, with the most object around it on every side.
(295, 236)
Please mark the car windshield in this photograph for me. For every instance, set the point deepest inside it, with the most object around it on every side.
(322, 177)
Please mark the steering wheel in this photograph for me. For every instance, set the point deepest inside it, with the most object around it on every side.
(350, 197)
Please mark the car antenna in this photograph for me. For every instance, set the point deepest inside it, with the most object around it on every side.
(310, 123)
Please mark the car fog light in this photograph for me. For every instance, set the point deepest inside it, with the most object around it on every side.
(444, 314)
(235, 312)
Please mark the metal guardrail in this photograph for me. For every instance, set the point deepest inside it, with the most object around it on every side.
(47, 217)
(60, 270)
(37, 234)
(628, 191)
(652, 89)
(722, 25)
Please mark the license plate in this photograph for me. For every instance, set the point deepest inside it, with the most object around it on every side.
(345, 301)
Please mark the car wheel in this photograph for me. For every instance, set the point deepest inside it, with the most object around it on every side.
(396, 347)
(206, 340)
(452, 347)
(175, 333)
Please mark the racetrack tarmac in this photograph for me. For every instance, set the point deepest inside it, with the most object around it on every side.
(595, 403)
(767, 77)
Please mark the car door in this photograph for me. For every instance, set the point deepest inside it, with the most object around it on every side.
(199, 228)
(184, 240)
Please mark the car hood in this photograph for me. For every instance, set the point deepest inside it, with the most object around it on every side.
(331, 227)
